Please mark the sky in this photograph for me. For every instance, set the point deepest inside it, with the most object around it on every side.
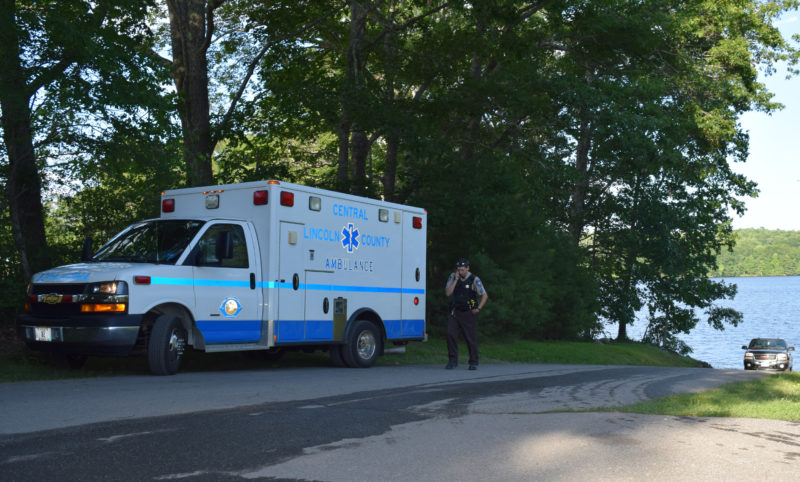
(774, 158)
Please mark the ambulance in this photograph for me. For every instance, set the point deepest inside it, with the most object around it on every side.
(263, 266)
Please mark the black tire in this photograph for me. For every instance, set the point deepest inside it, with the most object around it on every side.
(335, 351)
(363, 346)
(166, 345)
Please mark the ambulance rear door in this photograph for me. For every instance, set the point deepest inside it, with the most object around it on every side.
(413, 274)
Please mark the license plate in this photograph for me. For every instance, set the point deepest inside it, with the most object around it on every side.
(43, 333)
(764, 363)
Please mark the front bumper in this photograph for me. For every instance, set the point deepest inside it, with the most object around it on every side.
(87, 335)
(771, 366)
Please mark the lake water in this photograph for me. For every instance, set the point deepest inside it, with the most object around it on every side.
(771, 309)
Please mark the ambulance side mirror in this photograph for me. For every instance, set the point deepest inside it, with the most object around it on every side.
(224, 245)
(86, 253)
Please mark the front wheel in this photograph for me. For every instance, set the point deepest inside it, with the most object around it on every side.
(363, 345)
(165, 348)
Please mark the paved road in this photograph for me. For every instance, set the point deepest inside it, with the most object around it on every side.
(385, 423)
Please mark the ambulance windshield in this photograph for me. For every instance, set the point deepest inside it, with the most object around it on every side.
(156, 241)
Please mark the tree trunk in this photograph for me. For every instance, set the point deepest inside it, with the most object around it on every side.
(190, 40)
(23, 187)
(577, 216)
(359, 148)
(343, 164)
(390, 170)
(391, 133)
(348, 125)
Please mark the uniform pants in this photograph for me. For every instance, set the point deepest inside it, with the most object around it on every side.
(467, 324)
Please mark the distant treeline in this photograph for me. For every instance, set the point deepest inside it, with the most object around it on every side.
(761, 252)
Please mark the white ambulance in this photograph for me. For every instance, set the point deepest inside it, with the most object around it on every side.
(262, 265)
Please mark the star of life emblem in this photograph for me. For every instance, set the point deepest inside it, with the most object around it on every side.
(350, 238)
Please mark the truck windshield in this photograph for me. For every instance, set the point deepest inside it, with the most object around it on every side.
(156, 241)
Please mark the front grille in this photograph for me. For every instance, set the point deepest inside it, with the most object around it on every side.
(58, 288)
(765, 357)
(60, 310)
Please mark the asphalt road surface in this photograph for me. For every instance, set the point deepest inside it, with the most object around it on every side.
(385, 423)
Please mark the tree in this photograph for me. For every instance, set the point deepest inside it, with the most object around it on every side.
(191, 31)
(653, 125)
(55, 60)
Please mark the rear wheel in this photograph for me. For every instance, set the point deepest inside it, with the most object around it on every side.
(363, 345)
(166, 345)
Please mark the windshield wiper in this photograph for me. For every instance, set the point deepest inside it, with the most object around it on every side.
(130, 259)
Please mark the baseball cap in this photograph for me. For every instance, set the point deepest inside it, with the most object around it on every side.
(462, 262)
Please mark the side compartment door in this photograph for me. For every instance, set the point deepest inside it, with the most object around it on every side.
(319, 307)
(290, 325)
(227, 304)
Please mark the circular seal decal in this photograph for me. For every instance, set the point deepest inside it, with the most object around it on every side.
(230, 307)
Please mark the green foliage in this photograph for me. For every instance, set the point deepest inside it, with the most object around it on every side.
(12, 291)
(585, 175)
(761, 252)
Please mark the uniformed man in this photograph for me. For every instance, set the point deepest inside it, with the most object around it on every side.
(466, 289)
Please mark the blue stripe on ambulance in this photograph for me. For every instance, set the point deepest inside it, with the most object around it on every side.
(290, 331)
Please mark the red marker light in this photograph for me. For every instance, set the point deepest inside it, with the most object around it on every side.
(168, 205)
(287, 198)
(141, 280)
(416, 300)
(417, 222)
(260, 198)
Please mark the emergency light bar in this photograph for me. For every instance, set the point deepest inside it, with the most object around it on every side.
(259, 198)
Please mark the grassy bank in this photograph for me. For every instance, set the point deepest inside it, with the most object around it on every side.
(776, 397)
(19, 364)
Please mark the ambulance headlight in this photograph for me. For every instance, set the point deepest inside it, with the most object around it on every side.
(109, 288)
(105, 297)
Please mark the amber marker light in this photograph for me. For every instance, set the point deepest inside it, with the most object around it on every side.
(103, 308)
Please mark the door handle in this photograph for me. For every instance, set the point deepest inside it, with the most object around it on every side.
(252, 281)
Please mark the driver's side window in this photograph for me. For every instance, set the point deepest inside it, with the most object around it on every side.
(206, 252)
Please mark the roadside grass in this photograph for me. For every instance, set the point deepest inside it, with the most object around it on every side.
(526, 351)
(17, 363)
(774, 397)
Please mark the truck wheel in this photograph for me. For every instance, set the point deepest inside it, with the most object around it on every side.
(335, 352)
(165, 348)
(363, 345)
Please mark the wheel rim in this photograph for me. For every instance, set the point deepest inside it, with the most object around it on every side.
(175, 344)
(366, 345)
